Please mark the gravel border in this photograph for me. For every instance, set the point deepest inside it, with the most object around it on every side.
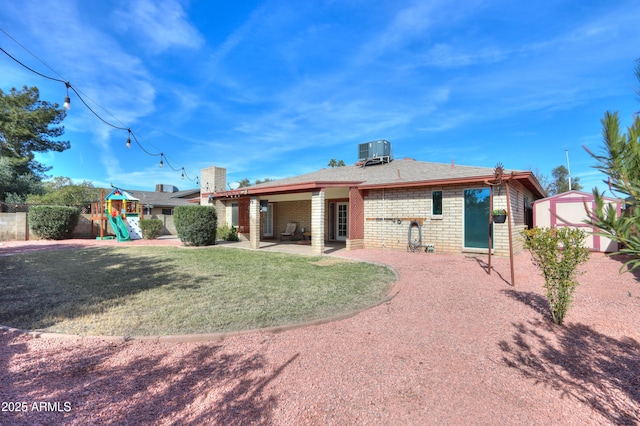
(455, 346)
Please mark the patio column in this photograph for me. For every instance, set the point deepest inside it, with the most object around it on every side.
(254, 222)
(317, 222)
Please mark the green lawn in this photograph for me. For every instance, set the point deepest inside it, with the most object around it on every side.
(167, 290)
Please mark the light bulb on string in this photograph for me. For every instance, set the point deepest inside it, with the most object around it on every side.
(67, 99)
(182, 176)
(161, 162)
(129, 139)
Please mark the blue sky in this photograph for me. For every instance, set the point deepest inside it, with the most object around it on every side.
(270, 89)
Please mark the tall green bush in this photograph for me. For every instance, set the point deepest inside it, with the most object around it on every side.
(557, 252)
(53, 222)
(150, 228)
(196, 225)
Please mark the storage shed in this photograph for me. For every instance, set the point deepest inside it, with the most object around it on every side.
(568, 209)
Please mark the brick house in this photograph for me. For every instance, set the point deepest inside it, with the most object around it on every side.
(373, 205)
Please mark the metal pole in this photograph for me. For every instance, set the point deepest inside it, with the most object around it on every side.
(513, 279)
(566, 151)
(490, 226)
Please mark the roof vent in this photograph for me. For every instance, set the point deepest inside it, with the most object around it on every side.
(374, 152)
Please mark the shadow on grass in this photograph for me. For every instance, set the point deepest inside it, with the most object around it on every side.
(106, 384)
(39, 289)
(595, 369)
(29, 248)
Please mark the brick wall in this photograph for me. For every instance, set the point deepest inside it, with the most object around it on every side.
(13, 226)
(383, 208)
(318, 216)
(291, 211)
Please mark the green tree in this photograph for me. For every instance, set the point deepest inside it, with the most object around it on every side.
(560, 182)
(62, 191)
(620, 161)
(244, 183)
(27, 126)
(336, 163)
(14, 186)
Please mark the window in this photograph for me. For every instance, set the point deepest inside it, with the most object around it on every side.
(528, 213)
(436, 203)
(167, 212)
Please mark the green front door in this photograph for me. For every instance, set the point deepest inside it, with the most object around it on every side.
(476, 218)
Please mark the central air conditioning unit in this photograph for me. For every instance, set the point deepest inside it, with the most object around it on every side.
(374, 152)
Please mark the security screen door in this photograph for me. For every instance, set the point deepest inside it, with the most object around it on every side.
(476, 218)
(267, 221)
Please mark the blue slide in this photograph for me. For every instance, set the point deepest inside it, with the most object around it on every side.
(120, 228)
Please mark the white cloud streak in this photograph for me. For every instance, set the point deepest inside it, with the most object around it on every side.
(158, 25)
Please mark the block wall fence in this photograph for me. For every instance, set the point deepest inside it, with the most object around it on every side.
(14, 226)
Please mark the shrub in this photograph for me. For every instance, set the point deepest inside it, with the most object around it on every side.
(557, 252)
(53, 222)
(196, 225)
(150, 228)
(227, 233)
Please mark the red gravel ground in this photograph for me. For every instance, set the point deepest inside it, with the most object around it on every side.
(455, 346)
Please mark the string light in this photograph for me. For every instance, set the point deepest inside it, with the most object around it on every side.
(67, 99)
(67, 106)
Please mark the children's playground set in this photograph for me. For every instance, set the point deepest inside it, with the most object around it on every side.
(122, 210)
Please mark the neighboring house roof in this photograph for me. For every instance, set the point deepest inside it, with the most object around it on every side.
(165, 199)
(397, 173)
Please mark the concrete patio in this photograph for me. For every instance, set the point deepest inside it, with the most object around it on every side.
(286, 246)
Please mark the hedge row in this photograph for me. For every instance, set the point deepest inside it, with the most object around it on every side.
(53, 222)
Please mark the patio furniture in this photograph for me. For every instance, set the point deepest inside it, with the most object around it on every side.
(289, 231)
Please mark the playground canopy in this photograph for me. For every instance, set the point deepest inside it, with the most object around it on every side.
(120, 194)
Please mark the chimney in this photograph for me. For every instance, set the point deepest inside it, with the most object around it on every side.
(212, 179)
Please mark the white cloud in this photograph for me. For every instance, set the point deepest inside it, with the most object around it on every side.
(237, 37)
(159, 25)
